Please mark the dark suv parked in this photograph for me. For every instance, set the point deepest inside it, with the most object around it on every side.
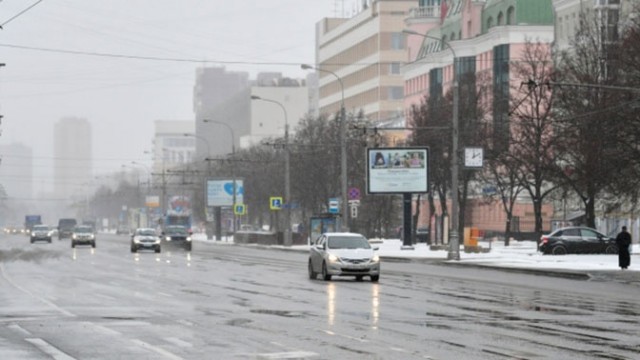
(577, 240)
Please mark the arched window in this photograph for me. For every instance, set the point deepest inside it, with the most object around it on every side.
(500, 18)
(489, 22)
(510, 15)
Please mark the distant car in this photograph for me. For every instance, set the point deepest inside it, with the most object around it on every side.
(178, 235)
(145, 238)
(577, 240)
(83, 235)
(122, 230)
(41, 233)
(343, 254)
(65, 228)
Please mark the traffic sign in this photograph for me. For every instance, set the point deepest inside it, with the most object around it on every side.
(239, 209)
(334, 204)
(275, 203)
(354, 193)
(354, 212)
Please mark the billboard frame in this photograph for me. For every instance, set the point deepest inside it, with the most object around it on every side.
(397, 170)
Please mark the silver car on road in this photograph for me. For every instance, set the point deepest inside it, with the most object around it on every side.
(343, 254)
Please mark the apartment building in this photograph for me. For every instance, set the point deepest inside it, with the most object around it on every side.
(359, 60)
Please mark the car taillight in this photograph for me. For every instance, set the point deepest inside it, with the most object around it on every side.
(544, 239)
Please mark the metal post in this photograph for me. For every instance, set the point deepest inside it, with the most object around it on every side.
(287, 171)
(343, 148)
(454, 244)
(233, 175)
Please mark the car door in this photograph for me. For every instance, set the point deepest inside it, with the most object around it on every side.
(572, 240)
(317, 252)
(593, 241)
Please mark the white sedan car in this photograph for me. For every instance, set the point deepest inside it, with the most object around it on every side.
(145, 238)
(343, 254)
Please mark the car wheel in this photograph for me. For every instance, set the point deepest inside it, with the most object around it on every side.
(325, 275)
(93, 244)
(375, 278)
(611, 249)
(188, 247)
(312, 274)
(158, 249)
(32, 241)
(559, 250)
(73, 244)
(133, 249)
(49, 241)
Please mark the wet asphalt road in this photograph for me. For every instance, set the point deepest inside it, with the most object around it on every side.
(231, 302)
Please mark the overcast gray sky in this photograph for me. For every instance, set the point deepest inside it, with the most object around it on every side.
(122, 96)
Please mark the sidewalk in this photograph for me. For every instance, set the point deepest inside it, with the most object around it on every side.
(520, 255)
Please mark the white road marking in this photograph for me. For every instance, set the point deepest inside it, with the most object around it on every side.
(49, 349)
(287, 355)
(43, 300)
(156, 349)
(329, 332)
(178, 342)
(19, 329)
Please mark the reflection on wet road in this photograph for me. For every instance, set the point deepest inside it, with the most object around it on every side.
(231, 302)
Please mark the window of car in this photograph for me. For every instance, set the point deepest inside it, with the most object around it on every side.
(178, 230)
(589, 233)
(41, 228)
(146, 232)
(570, 232)
(83, 230)
(348, 242)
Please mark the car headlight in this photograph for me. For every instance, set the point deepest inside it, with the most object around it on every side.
(375, 258)
(168, 238)
(136, 240)
(73, 236)
(188, 238)
(333, 258)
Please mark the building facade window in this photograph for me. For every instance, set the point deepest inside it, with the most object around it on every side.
(511, 15)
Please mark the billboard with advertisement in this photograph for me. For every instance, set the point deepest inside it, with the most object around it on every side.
(397, 170)
(220, 192)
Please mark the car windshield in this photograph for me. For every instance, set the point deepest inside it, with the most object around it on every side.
(178, 230)
(40, 228)
(147, 232)
(348, 242)
(83, 230)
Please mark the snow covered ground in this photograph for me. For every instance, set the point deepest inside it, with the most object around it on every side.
(520, 255)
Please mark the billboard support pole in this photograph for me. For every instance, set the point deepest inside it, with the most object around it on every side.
(407, 243)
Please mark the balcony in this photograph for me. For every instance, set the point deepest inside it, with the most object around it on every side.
(425, 12)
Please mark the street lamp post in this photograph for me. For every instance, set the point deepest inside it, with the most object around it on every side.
(287, 171)
(343, 147)
(454, 242)
(233, 166)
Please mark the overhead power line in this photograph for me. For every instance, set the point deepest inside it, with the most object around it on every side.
(20, 13)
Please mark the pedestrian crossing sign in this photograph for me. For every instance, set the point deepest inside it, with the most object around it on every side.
(275, 203)
(239, 209)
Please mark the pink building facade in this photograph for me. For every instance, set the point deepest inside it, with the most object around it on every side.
(484, 37)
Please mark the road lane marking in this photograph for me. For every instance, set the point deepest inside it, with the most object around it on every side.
(49, 349)
(19, 329)
(43, 300)
(156, 349)
(178, 342)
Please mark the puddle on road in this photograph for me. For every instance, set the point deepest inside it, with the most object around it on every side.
(283, 313)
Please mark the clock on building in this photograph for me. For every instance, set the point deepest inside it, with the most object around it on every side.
(473, 157)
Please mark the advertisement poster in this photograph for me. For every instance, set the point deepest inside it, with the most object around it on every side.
(397, 170)
(220, 192)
